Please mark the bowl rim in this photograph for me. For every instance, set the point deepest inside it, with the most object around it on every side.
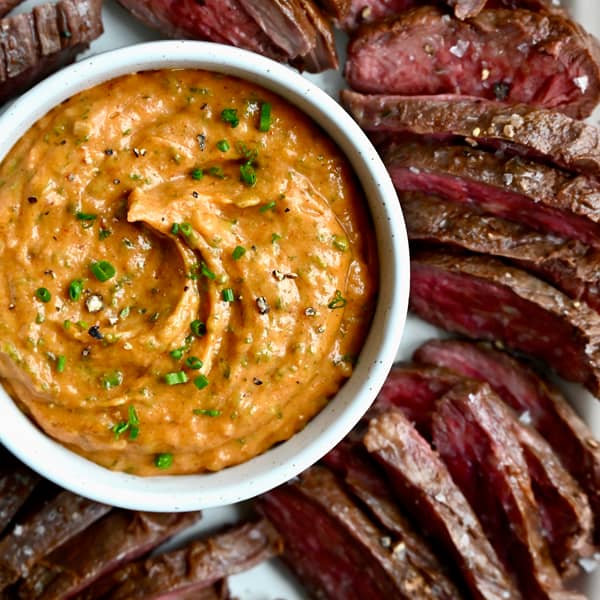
(287, 459)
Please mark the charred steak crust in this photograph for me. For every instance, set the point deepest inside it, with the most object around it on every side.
(119, 537)
(571, 266)
(483, 298)
(52, 525)
(542, 405)
(532, 132)
(371, 563)
(425, 488)
(472, 432)
(16, 484)
(34, 44)
(193, 568)
(366, 481)
(564, 509)
(536, 58)
(324, 54)
(350, 14)
(539, 196)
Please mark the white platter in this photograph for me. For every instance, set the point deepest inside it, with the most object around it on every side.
(271, 581)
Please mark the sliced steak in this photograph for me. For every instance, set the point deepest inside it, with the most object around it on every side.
(414, 389)
(117, 538)
(367, 482)
(343, 555)
(516, 189)
(540, 59)
(466, 9)
(35, 44)
(426, 490)
(223, 21)
(56, 522)
(571, 266)
(197, 566)
(7, 5)
(16, 484)
(564, 511)
(324, 54)
(537, 133)
(473, 434)
(349, 14)
(540, 404)
(285, 23)
(483, 298)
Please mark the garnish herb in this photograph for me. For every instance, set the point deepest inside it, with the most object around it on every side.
(207, 412)
(216, 172)
(132, 424)
(103, 234)
(206, 271)
(248, 174)
(81, 216)
(43, 294)
(163, 460)
(228, 295)
(238, 252)
(186, 229)
(338, 301)
(61, 361)
(75, 289)
(176, 378)
(269, 206)
(223, 145)
(175, 229)
(112, 380)
(198, 328)
(193, 362)
(102, 270)
(265, 117)
(275, 237)
(176, 354)
(229, 115)
(340, 242)
(201, 382)
(197, 174)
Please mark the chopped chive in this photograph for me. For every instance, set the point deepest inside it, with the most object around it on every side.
(186, 229)
(269, 206)
(176, 354)
(275, 237)
(228, 295)
(134, 431)
(265, 117)
(248, 174)
(39, 319)
(102, 270)
(198, 328)
(43, 294)
(67, 324)
(238, 252)
(175, 228)
(201, 382)
(175, 378)
(223, 145)
(103, 234)
(338, 300)
(193, 362)
(75, 289)
(340, 242)
(163, 460)
(81, 216)
(229, 115)
(124, 313)
(197, 173)
(112, 380)
(120, 428)
(216, 172)
(61, 362)
(207, 412)
(206, 271)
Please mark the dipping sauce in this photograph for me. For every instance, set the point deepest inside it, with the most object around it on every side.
(187, 272)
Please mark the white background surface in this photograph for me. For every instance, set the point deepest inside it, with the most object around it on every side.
(271, 581)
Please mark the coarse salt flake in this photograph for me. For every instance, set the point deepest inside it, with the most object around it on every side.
(460, 48)
(582, 83)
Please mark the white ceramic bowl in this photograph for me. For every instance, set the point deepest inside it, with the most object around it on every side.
(277, 465)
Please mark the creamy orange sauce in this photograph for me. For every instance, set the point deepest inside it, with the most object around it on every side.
(240, 282)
